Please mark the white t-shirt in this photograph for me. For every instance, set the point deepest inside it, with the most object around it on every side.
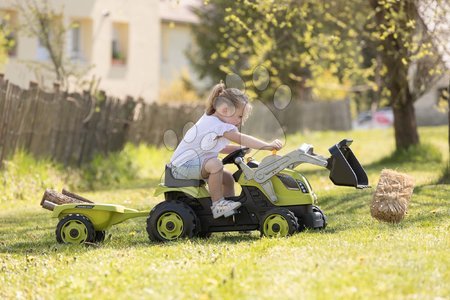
(202, 141)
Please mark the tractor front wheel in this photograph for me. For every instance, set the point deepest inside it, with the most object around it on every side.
(318, 211)
(278, 222)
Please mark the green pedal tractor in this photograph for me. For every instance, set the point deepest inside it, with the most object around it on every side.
(276, 199)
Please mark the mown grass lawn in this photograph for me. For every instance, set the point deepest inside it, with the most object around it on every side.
(355, 257)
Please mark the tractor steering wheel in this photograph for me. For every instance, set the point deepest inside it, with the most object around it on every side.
(229, 159)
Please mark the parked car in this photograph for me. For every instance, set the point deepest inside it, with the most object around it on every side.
(382, 118)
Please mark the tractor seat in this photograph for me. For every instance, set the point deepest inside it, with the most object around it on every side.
(171, 181)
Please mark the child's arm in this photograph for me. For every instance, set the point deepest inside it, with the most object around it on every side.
(252, 142)
(230, 148)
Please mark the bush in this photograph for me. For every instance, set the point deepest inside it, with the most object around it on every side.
(114, 168)
(25, 178)
(133, 162)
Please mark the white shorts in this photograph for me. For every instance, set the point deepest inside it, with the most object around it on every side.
(189, 170)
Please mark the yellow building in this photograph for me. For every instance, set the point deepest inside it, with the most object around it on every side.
(132, 47)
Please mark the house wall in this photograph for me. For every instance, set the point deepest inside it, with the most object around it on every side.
(427, 112)
(138, 76)
(175, 40)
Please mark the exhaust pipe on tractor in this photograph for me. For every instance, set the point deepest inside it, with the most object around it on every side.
(345, 169)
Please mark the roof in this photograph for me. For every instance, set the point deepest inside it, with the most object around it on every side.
(178, 10)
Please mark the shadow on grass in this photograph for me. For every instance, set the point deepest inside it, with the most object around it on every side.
(43, 242)
(445, 177)
(421, 156)
(428, 207)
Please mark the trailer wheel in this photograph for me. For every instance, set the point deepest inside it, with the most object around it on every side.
(75, 229)
(278, 222)
(171, 220)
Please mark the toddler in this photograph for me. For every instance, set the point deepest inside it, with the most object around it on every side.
(196, 157)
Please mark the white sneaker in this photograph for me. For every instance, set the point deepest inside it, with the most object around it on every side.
(224, 208)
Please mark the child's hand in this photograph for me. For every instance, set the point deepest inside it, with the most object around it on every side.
(275, 145)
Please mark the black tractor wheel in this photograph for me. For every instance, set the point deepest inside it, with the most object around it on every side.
(317, 210)
(100, 236)
(171, 220)
(201, 233)
(75, 229)
(278, 222)
(204, 235)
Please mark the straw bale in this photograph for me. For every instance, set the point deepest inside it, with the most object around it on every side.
(392, 196)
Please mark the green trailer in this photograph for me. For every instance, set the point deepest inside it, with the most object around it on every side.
(83, 221)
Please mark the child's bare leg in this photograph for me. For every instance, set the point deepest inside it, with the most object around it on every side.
(228, 184)
(213, 170)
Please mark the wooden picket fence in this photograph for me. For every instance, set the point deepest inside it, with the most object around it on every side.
(71, 128)
(68, 128)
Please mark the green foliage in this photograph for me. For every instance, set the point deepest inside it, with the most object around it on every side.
(399, 32)
(25, 178)
(368, 47)
(121, 168)
(296, 42)
(3, 49)
(114, 169)
(7, 41)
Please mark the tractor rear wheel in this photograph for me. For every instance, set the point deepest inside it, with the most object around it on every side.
(100, 236)
(278, 222)
(171, 220)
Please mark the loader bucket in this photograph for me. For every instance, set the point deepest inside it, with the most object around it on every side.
(345, 169)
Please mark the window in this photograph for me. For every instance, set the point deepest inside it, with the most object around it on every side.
(119, 45)
(42, 51)
(79, 40)
(75, 40)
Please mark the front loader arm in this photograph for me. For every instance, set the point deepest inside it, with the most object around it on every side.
(344, 168)
(274, 164)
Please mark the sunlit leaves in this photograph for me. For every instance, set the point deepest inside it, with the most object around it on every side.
(298, 42)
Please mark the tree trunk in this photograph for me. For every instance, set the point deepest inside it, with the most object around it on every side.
(303, 93)
(405, 126)
(402, 102)
(395, 56)
(448, 107)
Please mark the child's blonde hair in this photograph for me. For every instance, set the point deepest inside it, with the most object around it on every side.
(231, 96)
